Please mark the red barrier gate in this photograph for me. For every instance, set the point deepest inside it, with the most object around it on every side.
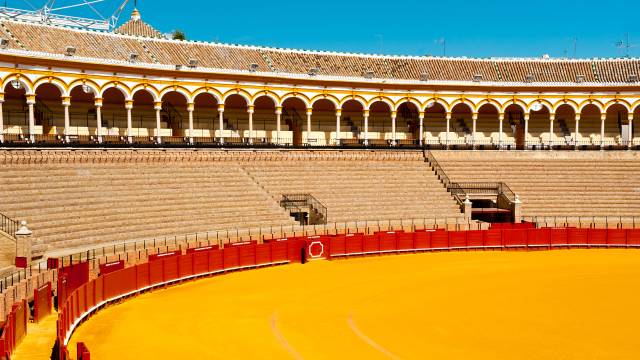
(42, 302)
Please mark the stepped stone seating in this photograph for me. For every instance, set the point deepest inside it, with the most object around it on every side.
(84, 198)
(555, 183)
(378, 186)
(73, 199)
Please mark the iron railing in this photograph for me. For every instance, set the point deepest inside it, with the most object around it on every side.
(299, 201)
(9, 226)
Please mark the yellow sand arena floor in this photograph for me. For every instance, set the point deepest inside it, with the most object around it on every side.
(580, 304)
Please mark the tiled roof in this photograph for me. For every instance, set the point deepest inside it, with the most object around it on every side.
(136, 27)
(152, 48)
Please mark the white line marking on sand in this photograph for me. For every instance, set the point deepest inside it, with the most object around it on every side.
(368, 340)
(283, 341)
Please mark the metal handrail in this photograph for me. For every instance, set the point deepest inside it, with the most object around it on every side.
(9, 226)
(297, 201)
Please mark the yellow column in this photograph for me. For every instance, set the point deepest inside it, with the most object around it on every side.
(98, 103)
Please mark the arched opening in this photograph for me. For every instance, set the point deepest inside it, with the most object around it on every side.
(461, 125)
(380, 125)
(588, 128)
(407, 123)
(324, 119)
(617, 128)
(435, 125)
(294, 115)
(174, 119)
(83, 119)
(143, 117)
(539, 118)
(561, 134)
(114, 115)
(514, 126)
(265, 124)
(15, 112)
(236, 119)
(353, 123)
(205, 118)
(49, 112)
(488, 126)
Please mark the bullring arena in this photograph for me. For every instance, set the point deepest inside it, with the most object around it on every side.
(191, 200)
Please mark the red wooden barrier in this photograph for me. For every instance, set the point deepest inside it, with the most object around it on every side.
(388, 241)
(161, 256)
(439, 240)
(185, 265)
(370, 244)
(422, 239)
(42, 302)
(633, 237)
(83, 352)
(457, 239)
(231, 257)
(263, 254)
(404, 241)
(247, 255)
(111, 267)
(617, 237)
(338, 246)
(353, 244)
(318, 247)
(492, 238)
(577, 237)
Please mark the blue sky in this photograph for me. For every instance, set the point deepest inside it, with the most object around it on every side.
(470, 28)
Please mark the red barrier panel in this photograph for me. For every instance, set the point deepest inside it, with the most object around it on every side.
(231, 257)
(404, 241)
(387, 241)
(247, 255)
(439, 240)
(354, 244)
(337, 245)
(20, 318)
(295, 247)
(279, 251)
(165, 255)
(577, 237)
(81, 296)
(617, 237)
(216, 260)
(42, 303)
(633, 237)
(142, 276)
(370, 244)
(110, 267)
(170, 266)
(119, 282)
(83, 352)
(156, 270)
(457, 239)
(263, 254)
(597, 237)
(538, 237)
(474, 238)
(492, 238)
(185, 265)
(90, 294)
(70, 278)
(52, 263)
(318, 247)
(514, 238)
(558, 237)
(201, 260)
(99, 290)
(202, 249)
(422, 239)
